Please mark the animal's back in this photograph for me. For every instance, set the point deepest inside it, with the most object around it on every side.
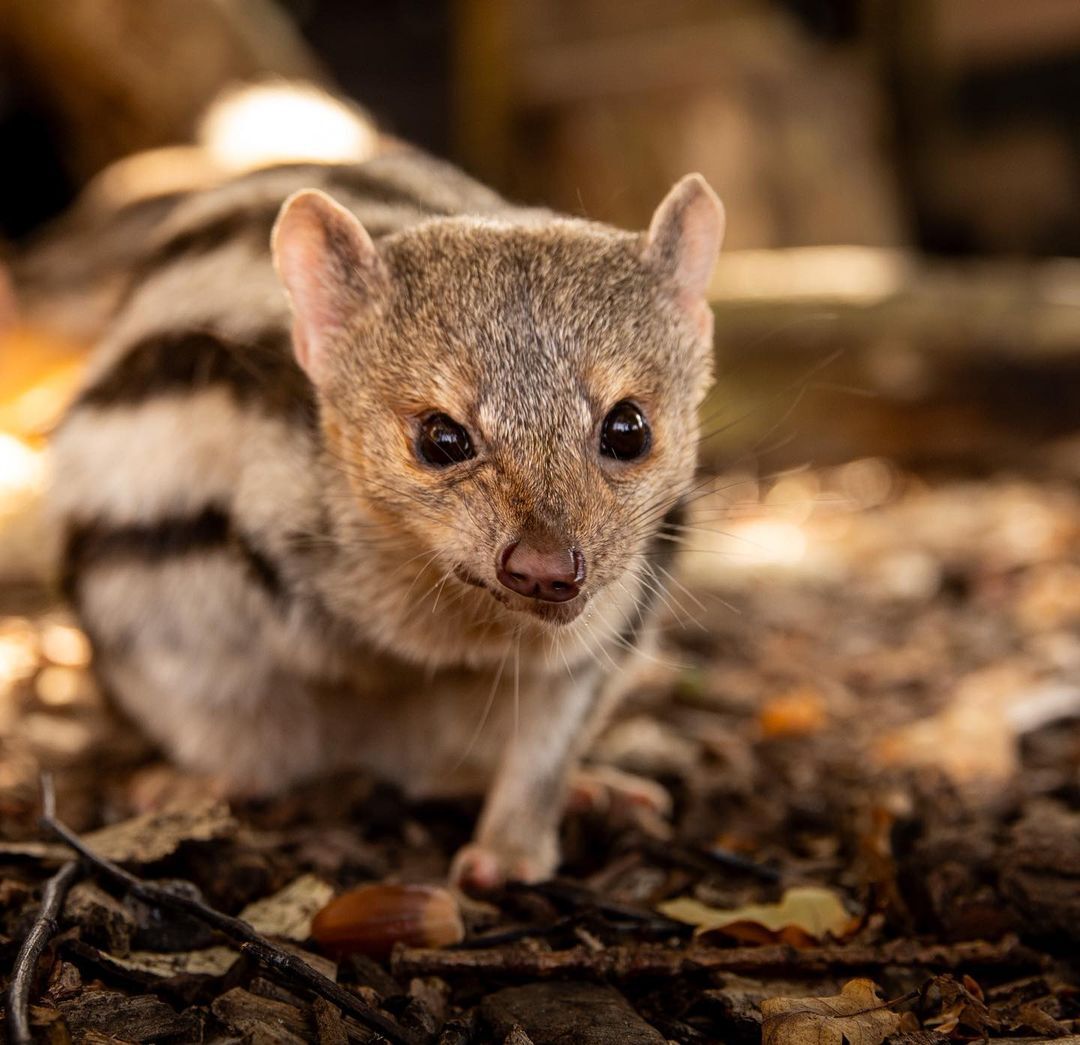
(186, 473)
(397, 498)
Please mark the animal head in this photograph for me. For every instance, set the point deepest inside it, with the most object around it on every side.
(519, 397)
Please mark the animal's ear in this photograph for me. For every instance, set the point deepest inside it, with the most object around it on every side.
(683, 240)
(330, 270)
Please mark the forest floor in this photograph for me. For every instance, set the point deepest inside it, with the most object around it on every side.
(865, 710)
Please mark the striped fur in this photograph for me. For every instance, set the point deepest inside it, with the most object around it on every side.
(273, 585)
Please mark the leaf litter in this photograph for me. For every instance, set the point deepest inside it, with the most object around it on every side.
(874, 767)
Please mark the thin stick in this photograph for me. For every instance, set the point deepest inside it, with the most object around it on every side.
(238, 932)
(621, 963)
(44, 928)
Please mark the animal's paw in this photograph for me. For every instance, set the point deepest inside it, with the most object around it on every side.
(604, 789)
(481, 868)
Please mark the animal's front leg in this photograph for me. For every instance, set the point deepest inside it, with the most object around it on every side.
(517, 835)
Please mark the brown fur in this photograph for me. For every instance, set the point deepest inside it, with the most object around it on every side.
(387, 640)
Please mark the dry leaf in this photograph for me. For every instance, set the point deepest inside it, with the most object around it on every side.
(855, 1016)
(207, 961)
(962, 1004)
(804, 915)
(154, 836)
(975, 739)
(796, 713)
(289, 911)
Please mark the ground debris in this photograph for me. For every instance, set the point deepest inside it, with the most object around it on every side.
(810, 744)
(568, 1014)
(129, 1018)
(102, 919)
(262, 1019)
(804, 915)
(153, 836)
(289, 911)
(855, 1016)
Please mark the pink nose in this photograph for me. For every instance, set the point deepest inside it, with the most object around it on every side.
(551, 576)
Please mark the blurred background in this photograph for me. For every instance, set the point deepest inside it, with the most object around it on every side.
(870, 669)
(898, 302)
(902, 177)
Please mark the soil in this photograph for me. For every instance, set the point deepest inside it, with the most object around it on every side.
(866, 700)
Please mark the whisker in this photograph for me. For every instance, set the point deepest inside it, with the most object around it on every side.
(484, 715)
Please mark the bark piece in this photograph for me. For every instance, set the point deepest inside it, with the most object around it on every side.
(103, 920)
(154, 836)
(1041, 871)
(568, 1014)
(263, 1019)
(329, 1026)
(289, 911)
(167, 931)
(140, 1018)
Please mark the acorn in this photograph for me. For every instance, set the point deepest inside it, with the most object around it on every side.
(372, 918)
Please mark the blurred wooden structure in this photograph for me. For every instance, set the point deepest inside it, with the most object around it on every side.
(598, 107)
(949, 125)
(828, 353)
(123, 75)
(985, 99)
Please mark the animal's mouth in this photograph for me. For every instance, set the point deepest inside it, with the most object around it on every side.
(557, 613)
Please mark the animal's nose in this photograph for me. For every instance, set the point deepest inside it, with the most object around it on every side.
(549, 575)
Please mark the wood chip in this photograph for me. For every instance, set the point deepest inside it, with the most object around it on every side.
(154, 836)
(207, 961)
(288, 912)
(102, 919)
(272, 1021)
(129, 1018)
(583, 1013)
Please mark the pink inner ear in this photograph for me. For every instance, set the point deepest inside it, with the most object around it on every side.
(684, 240)
(699, 247)
(301, 350)
(329, 268)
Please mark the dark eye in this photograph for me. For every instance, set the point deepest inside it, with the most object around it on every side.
(624, 434)
(442, 441)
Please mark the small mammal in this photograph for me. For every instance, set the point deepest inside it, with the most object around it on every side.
(370, 469)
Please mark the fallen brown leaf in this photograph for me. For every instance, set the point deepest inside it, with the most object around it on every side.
(154, 836)
(855, 1016)
(289, 911)
(804, 915)
(798, 712)
(975, 738)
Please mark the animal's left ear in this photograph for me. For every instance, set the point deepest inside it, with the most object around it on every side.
(683, 241)
(331, 272)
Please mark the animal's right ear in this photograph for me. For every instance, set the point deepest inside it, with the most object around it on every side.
(330, 269)
(682, 243)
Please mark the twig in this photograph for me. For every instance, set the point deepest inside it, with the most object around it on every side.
(582, 900)
(289, 967)
(649, 960)
(518, 933)
(44, 927)
(708, 859)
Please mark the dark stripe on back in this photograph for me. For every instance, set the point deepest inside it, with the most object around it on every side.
(170, 538)
(254, 222)
(251, 224)
(261, 372)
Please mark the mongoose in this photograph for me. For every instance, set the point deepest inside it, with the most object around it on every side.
(371, 470)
